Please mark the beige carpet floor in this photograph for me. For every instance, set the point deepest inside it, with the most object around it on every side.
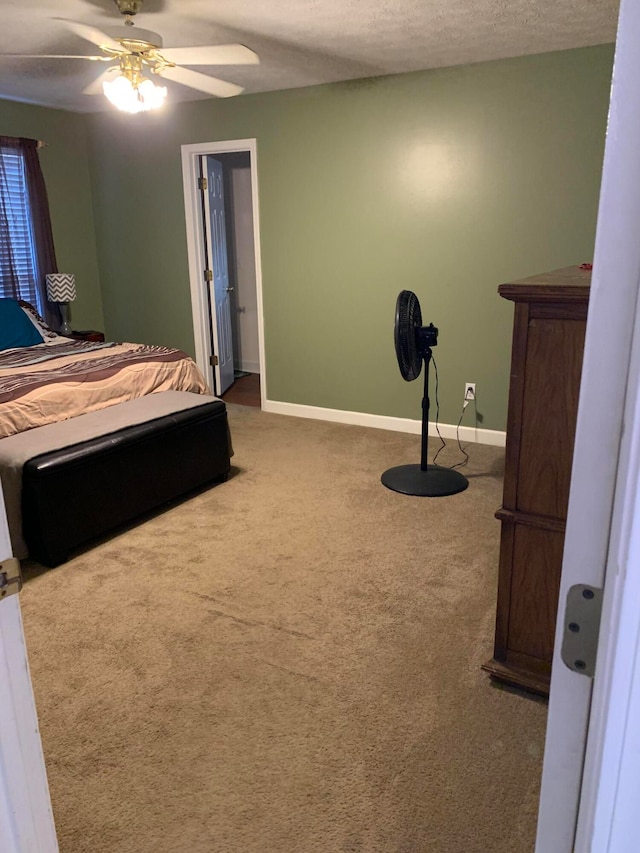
(287, 663)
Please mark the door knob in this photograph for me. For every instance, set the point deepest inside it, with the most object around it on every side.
(229, 289)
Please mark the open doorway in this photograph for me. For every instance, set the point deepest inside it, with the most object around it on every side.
(238, 218)
(224, 267)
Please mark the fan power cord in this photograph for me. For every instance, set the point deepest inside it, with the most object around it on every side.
(443, 443)
(460, 447)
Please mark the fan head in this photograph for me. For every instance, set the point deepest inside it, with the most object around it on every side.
(408, 321)
(412, 339)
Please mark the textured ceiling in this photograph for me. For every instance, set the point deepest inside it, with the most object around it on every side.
(300, 42)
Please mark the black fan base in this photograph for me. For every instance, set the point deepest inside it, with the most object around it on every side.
(435, 482)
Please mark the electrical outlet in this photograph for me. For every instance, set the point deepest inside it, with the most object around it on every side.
(469, 391)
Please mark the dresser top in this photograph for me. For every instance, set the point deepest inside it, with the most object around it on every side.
(569, 284)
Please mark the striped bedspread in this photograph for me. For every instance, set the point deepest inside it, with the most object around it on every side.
(45, 384)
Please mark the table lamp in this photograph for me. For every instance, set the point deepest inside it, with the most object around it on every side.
(61, 288)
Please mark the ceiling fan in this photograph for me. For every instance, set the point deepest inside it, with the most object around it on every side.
(133, 52)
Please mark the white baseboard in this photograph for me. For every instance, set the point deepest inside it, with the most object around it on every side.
(496, 438)
(250, 366)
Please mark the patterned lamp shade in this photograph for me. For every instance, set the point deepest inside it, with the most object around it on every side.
(61, 286)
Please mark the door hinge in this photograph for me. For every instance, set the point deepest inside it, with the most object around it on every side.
(202, 183)
(582, 628)
(213, 360)
(208, 275)
(10, 577)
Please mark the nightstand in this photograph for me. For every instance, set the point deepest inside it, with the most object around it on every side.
(87, 335)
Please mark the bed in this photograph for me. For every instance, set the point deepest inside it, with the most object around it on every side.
(60, 378)
(136, 419)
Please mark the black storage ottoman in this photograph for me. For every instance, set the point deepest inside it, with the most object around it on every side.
(74, 494)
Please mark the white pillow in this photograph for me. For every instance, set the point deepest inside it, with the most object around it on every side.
(47, 333)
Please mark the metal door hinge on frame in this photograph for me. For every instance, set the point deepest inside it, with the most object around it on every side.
(202, 183)
(10, 577)
(582, 628)
(208, 275)
(213, 360)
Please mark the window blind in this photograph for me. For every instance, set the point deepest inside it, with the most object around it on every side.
(20, 264)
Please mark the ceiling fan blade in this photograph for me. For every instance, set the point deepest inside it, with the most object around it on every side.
(53, 56)
(92, 34)
(202, 82)
(95, 88)
(218, 54)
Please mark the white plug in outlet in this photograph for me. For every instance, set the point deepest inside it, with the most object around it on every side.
(469, 391)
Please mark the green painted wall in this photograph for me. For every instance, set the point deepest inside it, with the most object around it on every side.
(447, 182)
(66, 172)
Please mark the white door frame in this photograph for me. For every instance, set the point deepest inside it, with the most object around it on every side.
(26, 818)
(195, 248)
(583, 800)
(608, 813)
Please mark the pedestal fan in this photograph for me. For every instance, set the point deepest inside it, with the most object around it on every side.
(413, 343)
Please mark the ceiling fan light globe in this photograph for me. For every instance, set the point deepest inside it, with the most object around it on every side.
(121, 93)
(130, 98)
(152, 96)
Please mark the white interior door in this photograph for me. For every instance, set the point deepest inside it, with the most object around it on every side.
(596, 536)
(219, 288)
(26, 819)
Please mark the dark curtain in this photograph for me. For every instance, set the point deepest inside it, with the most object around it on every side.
(41, 222)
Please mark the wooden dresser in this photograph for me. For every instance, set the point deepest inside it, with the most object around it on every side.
(546, 364)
